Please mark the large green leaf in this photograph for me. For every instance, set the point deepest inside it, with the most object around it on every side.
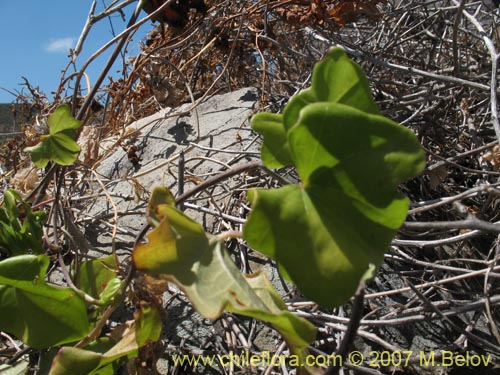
(335, 79)
(326, 231)
(40, 314)
(20, 232)
(179, 250)
(59, 146)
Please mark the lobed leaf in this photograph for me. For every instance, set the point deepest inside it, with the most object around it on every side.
(326, 232)
(60, 145)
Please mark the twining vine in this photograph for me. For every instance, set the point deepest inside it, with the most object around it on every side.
(327, 233)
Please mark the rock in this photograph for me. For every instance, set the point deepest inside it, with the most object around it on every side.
(225, 139)
(222, 140)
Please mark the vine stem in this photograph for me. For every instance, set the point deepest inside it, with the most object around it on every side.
(216, 179)
(352, 328)
(229, 234)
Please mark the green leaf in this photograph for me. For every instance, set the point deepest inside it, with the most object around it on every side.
(335, 79)
(148, 324)
(61, 121)
(94, 276)
(20, 232)
(179, 250)
(89, 361)
(59, 146)
(326, 231)
(112, 290)
(275, 151)
(40, 314)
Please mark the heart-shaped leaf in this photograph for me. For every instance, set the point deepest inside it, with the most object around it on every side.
(59, 146)
(326, 231)
(335, 79)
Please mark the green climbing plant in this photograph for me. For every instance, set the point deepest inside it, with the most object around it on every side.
(20, 226)
(327, 232)
(59, 145)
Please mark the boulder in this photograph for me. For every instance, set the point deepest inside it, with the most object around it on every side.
(213, 137)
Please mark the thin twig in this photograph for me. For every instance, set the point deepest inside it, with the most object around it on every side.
(352, 328)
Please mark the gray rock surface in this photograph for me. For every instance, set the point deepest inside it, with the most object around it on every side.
(224, 140)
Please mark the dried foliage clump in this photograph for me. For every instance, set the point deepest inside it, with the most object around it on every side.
(264, 44)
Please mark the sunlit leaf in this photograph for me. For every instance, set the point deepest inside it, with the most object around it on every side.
(178, 249)
(159, 197)
(93, 276)
(60, 145)
(275, 151)
(112, 290)
(326, 231)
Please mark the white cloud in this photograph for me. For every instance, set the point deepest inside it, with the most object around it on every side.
(60, 45)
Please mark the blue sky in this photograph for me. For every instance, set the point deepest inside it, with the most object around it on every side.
(35, 37)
